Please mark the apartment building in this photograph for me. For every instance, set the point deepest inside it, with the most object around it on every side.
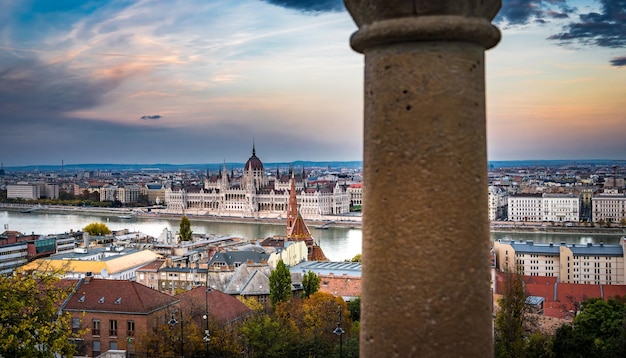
(560, 207)
(525, 207)
(569, 263)
(498, 202)
(609, 206)
(114, 313)
(23, 191)
(544, 207)
(16, 249)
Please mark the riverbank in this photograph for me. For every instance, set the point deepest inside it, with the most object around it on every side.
(352, 222)
(348, 221)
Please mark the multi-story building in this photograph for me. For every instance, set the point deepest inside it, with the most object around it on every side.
(544, 207)
(356, 194)
(609, 206)
(155, 193)
(570, 263)
(23, 191)
(498, 201)
(254, 195)
(180, 277)
(560, 207)
(525, 207)
(128, 194)
(113, 313)
(16, 249)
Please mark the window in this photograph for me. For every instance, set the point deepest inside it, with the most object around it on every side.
(113, 328)
(113, 345)
(95, 330)
(130, 328)
(75, 325)
(96, 348)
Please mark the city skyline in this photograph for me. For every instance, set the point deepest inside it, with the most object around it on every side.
(201, 81)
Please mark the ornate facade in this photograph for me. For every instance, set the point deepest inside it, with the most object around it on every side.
(259, 194)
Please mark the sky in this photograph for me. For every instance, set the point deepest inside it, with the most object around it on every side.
(202, 81)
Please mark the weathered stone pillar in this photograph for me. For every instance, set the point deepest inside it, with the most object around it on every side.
(426, 277)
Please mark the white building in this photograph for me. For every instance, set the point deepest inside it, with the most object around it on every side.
(498, 201)
(561, 207)
(544, 207)
(23, 191)
(609, 206)
(525, 207)
(254, 195)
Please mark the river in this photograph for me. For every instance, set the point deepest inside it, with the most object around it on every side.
(338, 243)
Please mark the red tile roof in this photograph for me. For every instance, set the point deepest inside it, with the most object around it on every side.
(116, 296)
(222, 307)
(344, 286)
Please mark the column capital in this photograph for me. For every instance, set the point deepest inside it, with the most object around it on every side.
(383, 22)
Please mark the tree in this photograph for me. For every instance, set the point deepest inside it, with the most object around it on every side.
(310, 283)
(599, 330)
(265, 337)
(97, 229)
(354, 307)
(185, 229)
(30, 324)
(513, 319)
(356, 258)
(314, 319)
(280, 284)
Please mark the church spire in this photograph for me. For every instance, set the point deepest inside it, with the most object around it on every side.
(292, 207)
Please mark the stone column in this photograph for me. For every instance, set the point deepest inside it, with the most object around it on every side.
(426, 282)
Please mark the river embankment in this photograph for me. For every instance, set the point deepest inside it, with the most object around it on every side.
(348, 221)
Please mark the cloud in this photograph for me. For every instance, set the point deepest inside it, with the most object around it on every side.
(28, 85)
(522, 12)
(309, 6)
(618, 61)
(604, 29)
(151, 117)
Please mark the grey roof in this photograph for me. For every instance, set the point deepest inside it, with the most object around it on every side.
(326, 268)
(596, 250)
(249, 280)
(232, 257)
(589, 249)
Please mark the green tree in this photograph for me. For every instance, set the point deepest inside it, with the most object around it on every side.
(264, 337)
(599, 330)
(513, 319)
(356, 258)
(280, 284)
(310, 283)
(97, 229)
(354, 307)
(30, 325)
(185, 229)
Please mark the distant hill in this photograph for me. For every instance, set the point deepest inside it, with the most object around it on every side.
(296, 164)
(175, 167)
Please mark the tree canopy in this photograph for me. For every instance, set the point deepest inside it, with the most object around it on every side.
(280, 284)
(97, 229)
(29, 324)
(185, 229)
(310, 283)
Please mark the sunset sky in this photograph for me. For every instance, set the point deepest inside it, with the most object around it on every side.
(197, 81)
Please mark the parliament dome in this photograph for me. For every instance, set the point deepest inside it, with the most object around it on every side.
(254, 163)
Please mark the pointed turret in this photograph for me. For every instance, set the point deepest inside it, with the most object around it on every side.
(292, 208)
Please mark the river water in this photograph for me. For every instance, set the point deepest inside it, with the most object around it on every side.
(338, 243)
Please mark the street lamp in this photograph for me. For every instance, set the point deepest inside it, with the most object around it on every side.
(205, 316)
(172, 322)
(339, 331)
